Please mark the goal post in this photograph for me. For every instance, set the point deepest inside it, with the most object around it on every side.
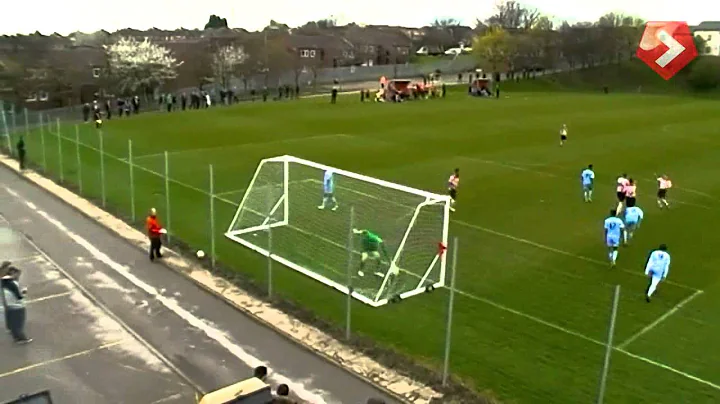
(310, 234)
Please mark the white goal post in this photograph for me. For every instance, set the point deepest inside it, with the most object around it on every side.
(286, 215)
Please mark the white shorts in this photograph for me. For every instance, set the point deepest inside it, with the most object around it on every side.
(612, 242)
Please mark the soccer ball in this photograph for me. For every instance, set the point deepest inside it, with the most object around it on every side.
(200, 254)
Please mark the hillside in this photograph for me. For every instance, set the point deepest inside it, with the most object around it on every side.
(631, 76)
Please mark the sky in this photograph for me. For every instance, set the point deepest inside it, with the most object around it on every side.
(66, 16)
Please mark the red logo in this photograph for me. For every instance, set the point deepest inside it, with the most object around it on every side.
(667, 47)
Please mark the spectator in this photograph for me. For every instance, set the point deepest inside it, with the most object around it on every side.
(154, 234)
(120, 106)
(3, 271)
(183, 101)
(14, 304)
(21, 152)
(86, 112)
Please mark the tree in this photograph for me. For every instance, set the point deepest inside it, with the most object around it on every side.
(216, 22)
(445, 23)
(140, 65)
(704, 74)
(511, 15)
(226, 61)
(495, 48)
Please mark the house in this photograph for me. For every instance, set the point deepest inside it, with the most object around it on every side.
(375, 46)
(51, 71)
(709, 31)
(323, 50)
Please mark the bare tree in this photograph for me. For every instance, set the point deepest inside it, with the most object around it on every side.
(511, 15)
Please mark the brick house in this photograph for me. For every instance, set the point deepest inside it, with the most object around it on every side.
(53, 70)
(324, 50)
(375, 46)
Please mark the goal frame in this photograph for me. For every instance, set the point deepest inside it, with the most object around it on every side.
(283, 203)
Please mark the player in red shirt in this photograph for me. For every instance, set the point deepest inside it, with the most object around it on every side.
(155, 232)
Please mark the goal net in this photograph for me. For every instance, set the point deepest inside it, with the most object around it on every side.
(283, 216)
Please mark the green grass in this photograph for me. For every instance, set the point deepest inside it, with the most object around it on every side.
(534, 289)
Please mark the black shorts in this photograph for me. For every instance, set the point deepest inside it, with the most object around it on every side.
(662, 193)
(630, 201)
(621, 196)
(563, 137)
(453, 193)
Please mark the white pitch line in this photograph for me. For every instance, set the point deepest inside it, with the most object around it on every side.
(243, 145)
(670, 368)
(561, 252)
(662, 318)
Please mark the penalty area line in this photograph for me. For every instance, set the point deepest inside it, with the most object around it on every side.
(657, 322)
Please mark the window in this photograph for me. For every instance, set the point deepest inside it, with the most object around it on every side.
(96, 72)
(709, 37)
(32, 97)
(304, 53)
(43, 96)
(312, 53)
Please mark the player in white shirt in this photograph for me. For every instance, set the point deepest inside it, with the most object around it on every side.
(633, 217)
(563, 135)
(664, 184)
(622, 182)
(329, 191)
(587, 176)
(614, 232)
(657, 269)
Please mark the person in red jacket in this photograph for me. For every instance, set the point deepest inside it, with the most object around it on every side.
(155, 232)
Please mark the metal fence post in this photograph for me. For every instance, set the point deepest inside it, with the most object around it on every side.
(14, 118)
(451, 303)
(609, 346)
(132, 180)
(60, 153)
(79, 159)
(348, 304)
(42, 143)
(167, 194)
(27, 123)
(102, 169)
(212, 217)
(5, 125)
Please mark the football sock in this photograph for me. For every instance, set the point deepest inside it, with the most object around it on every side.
(614, 256)
(651, 289)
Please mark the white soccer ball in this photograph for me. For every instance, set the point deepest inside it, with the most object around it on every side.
(200, 254)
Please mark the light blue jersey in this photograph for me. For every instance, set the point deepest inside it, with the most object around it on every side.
(329, 183)
(588, 178)
(614, 228)
(658, 264)
(633, 216)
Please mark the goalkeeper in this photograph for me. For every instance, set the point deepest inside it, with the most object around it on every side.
(372, 247)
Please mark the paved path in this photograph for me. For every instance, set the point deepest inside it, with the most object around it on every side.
(101, 339)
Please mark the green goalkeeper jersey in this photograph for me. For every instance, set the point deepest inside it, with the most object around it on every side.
(370, 241)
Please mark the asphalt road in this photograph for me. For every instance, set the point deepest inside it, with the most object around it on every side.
(111, 327)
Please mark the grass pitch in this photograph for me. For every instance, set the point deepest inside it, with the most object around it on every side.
(534, 288)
